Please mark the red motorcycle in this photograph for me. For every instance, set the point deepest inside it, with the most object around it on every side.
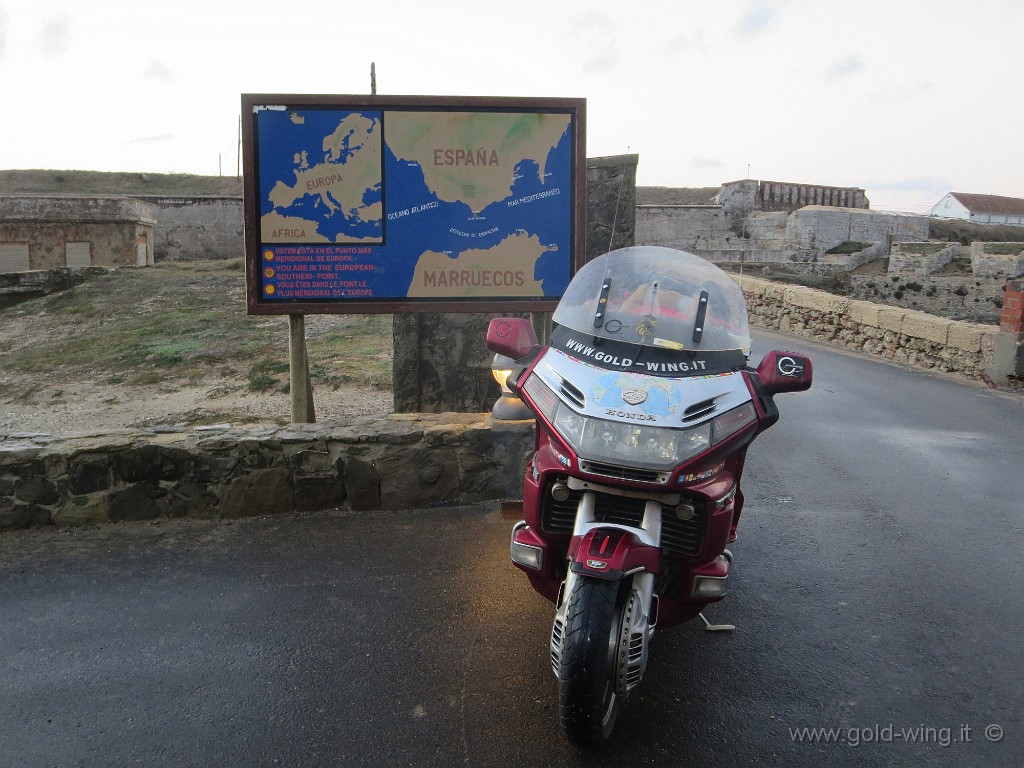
(645, 407)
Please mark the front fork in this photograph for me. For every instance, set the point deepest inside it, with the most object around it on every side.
(635, 550)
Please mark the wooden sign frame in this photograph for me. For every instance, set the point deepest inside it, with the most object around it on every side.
(474, 204)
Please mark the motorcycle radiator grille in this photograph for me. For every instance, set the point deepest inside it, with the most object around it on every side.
(624, 473)
(680, 536)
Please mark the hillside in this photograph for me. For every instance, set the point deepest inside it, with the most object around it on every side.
(99, 182)
(172, 344)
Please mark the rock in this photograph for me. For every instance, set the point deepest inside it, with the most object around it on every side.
(263, 492)
(136, 502)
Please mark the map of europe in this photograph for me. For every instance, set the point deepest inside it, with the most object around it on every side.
(386, 204)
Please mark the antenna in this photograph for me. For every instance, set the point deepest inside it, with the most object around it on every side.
(618, 201)
(373, 79)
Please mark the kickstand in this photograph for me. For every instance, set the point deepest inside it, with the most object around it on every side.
(709, 627)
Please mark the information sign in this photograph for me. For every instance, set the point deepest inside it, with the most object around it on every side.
(360, 204)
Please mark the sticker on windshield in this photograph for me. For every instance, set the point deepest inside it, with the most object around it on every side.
(668, 344)
(646, 326)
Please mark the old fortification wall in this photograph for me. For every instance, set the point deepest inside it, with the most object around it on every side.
(818, 228)
(198, 228)
(775, 237)
(999, 260)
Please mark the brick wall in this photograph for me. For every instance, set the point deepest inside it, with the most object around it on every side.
(1012, 319)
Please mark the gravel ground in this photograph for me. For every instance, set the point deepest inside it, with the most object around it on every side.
(87, 407)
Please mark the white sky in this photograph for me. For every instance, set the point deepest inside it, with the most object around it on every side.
(908, 99)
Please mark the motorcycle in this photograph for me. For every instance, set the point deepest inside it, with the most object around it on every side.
(645, 407)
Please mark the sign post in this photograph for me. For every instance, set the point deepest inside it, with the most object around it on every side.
(300, 385)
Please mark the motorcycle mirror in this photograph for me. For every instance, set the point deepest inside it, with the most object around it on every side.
(513, 337)
(785, 372)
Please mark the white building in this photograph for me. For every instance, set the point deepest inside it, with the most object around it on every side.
(981, 209)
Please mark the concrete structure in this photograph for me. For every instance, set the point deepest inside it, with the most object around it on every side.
(818, 229)
(1009, 342)
(751, 221)
(981, 209)
(747, 195)
(55, 231)
(199, 227)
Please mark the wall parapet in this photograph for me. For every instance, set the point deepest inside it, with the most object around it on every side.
(222, 472)
(903, 335)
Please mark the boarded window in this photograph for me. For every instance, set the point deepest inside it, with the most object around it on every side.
(78, 254)
(13, 257)
(142, 251)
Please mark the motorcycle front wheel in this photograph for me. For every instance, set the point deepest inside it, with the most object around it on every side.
(587, 702)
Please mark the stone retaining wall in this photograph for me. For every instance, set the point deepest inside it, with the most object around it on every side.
(403, 461)
(903, 335)
(40, 282)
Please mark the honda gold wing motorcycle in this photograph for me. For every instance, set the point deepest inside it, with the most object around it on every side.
(645, 407)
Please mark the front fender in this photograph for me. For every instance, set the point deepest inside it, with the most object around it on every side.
(611, 553)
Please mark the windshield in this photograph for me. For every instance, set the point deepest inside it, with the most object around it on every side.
(657, 297)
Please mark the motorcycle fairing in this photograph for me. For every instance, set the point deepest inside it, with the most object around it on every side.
(666, 401)
(611, 554)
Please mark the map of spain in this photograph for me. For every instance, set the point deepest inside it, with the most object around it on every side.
(428, 203)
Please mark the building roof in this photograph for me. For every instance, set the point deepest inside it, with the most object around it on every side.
(676, 195)
(990, 204)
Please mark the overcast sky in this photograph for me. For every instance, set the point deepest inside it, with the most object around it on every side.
(908, 99)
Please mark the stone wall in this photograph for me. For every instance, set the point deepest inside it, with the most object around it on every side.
(906, 336)
(999, 260)
(922, 258)
(611, 203)
(785, 196)
(818, 229)
(198, 228)
(693, 228)
(731, 233)
(220, 473)
(747, 195)
(20, 285)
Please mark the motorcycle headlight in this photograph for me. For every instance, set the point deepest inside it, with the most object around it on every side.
(618, 442)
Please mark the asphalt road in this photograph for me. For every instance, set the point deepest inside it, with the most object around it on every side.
(878, 593)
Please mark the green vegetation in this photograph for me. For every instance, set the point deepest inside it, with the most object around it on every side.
(966, 232)
(923, 248)
(181, 322)
(1004, 249)
(850, 246)
(99, 182)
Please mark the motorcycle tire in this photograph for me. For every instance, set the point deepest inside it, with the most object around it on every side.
(587, 701)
